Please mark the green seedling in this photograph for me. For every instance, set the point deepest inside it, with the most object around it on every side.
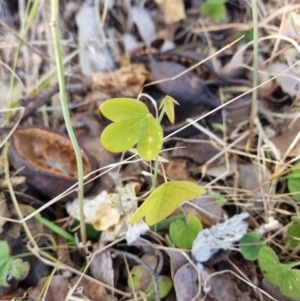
(215, 9)
(278, 274)
(11, 267)
(134, 124)
(250, 245)
(183, 233)
(56, 229)
(167, 104)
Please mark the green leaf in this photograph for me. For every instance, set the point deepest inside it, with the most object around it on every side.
(294, 187)
(141, 278)
(296, 219)
(133, 123)
(55, 228)
(19, 269)
(183, 233)
(168, 103)
(164, 200)
(10, 267)
(270, 265)
(150, 139)
(293, 181)
(250, 245)
(293, 236)
(290, 283)
(121, 136)
(216, 1)
(118, 109)
(164, 286)
(216, 11)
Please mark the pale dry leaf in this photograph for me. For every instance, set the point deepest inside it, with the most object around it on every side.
(107, 211)
(177, 260)
(291, 25)
(135, 231)
(95, 57)
(144, 23)
(130, 42)
(89, 290)
(58, 289)
(220, 169)
(221, 236)
(285, 139)
(3, 211)
(252, 177)
(185, 283)
(206, 209)
(236, 61)
(101, 267)
(220, 287)
(173, 9)
(289, 81)
(128, 203)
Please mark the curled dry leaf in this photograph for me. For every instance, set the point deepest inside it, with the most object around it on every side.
(173, 9)
(126, 81)
(46, 157)
(109, 212)
(289, 81)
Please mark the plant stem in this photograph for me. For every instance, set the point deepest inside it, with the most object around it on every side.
(154, 179)
(255, 59)
(67, 119)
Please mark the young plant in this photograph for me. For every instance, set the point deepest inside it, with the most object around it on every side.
(282, 275)
(134, 124)
(11, 267)
(216, 9)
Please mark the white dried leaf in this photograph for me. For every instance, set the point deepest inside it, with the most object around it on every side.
(95, 57)
(143, 21)
(130, 42)
(135, 231)
(221, 236)
(271, 225)
(289, 81)
(108, 211)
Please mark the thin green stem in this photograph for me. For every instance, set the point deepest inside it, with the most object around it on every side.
(67, 119)
(154, 179)
(13, 196)
(255, 59)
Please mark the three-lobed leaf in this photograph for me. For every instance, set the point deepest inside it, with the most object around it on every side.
(133, 124)
(164, 200)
